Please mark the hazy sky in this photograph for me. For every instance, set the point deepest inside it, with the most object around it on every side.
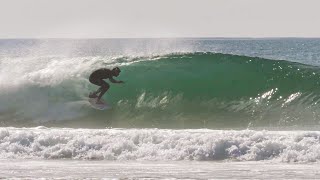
(158, 18)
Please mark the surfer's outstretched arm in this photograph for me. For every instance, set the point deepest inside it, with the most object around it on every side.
(115, 81)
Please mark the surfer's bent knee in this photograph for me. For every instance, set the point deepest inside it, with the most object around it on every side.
(105, 86)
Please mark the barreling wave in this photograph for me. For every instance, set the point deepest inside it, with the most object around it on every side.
(192, 90)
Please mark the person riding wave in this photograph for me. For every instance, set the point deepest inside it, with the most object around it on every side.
(97, 77)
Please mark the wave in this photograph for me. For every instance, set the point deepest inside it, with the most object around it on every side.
(191, 90)
(159, 145)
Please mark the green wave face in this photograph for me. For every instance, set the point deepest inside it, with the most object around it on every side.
(199, 90)
(216, 90)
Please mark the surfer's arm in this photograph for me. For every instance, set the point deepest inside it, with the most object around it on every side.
(114, 81)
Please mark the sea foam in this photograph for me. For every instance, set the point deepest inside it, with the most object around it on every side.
(156, 144)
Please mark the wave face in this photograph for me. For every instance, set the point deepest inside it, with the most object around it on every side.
(159, 145)
(190, 90)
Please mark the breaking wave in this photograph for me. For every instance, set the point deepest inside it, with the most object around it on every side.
(186, 90)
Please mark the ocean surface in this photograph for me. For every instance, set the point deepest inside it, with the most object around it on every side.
(250, 105)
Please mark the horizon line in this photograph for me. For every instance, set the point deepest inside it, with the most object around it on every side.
(200, 37)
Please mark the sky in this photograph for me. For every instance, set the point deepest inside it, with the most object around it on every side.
(158, 18)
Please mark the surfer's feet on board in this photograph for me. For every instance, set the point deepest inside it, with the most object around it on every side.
(99, 102)
(92, 95)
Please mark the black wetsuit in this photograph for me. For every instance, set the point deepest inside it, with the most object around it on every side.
(97, 77)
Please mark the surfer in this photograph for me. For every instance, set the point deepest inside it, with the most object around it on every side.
(97, 78)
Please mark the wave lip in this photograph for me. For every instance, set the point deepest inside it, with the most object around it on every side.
(157, 145)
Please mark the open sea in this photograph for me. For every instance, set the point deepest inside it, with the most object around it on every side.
(206, 108)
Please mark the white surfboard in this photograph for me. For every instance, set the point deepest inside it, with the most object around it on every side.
(93, 102)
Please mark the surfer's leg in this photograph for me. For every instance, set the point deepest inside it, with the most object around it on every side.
(98, 82)
(94, 94)
(104, 88)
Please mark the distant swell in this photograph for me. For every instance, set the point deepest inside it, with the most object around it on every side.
(192, 90)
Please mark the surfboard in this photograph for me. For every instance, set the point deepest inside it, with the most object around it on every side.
(93, 102)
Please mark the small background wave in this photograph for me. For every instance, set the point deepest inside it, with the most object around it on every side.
(180, 90)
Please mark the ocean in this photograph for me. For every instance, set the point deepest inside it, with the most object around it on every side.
(190, 108)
